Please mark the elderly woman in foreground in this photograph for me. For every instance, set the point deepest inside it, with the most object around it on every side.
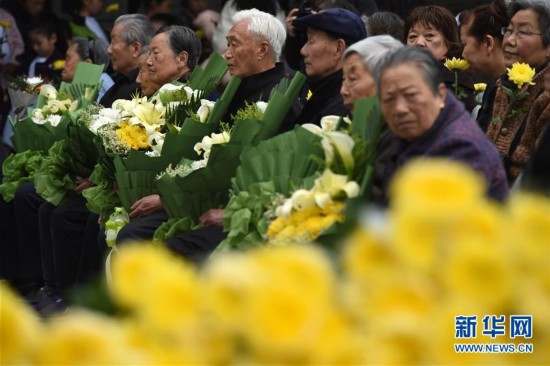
(428, 121)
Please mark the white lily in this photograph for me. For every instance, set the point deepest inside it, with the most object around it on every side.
(220, 138)
(37, 116)
(54, 119)
(302, 198)
(149, 116)
(205, 109)
(334, 184)
(329, 123)
(262, 106)
(285, 209)
(48, 91)
(343, 144)
(313, 128)
(204, 145)
(190, 92)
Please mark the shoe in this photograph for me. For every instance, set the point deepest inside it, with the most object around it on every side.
(39, 295)
(56, 307)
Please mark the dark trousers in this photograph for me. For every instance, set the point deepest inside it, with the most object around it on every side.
(9, 249)
(198, 244)
(46, 247)
(27, 203)
(68, 224)
(93, 256)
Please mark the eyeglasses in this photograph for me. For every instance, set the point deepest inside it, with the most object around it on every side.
(521, 34)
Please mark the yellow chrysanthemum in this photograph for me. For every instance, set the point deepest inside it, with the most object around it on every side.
(521, 73)
(58, 64)
(480, 87)
(133, 136)
(456, 64)
(82, 338)
(19, 328)
(309, 94)
(5, 24)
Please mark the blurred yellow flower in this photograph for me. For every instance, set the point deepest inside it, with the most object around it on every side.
(19, 328)
(456, 64)
(521, 73)
(480, 87)
(58, 64)
(82, 338)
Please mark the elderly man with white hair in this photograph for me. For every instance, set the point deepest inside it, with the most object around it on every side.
(254, 47)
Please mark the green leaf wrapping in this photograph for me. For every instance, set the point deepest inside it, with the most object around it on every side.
(18, 169)
(101, 198)
(51, 180)
(81, 150)
(244, 219)
(172, 227)
(28, 135)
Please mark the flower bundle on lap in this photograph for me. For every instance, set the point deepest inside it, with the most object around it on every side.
(206, 188)
(317, 167)
(23, 92)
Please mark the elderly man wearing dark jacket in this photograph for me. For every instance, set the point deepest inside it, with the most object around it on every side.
(254, 47)
(329, 33)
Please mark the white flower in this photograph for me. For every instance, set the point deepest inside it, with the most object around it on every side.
(54, 119)
(220, 138)
(285, 209)
(190, 92)
(329, 123)
(262, 106)
(48, 91)
(37, 116)
(156, 140)
(343, 144)
(34, 81)
(205, 109)
(347, 120)
(153, 153)
(313, 128)
(169, 88)
(302, 198)
(204, 145)
(333, 185)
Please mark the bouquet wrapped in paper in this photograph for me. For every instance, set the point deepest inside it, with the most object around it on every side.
(196, 189)
(293, 186)
(23, 92)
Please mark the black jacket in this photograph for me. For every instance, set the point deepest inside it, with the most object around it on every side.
(123, 88)
(258, 87)
(325, 100)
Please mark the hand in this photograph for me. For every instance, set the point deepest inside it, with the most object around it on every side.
(291, 30)
(146, 206)
(82, 184)
(212, 217)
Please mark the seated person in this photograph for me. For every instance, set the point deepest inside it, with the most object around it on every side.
(428, 121)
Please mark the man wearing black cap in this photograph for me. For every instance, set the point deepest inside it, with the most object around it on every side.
(329, 33)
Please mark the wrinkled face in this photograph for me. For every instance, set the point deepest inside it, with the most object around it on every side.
(146, 83)
(42, 44)
(319, 54)
(357, 81)
(71, 61)
(123, 56)
(243, 51)
(163, 63)
(408, 103)
(524, 44)
(428, 37)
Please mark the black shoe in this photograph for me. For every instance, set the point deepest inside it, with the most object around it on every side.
(55, 306)
(36, 297)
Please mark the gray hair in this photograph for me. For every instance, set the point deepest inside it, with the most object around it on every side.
(542, 8)
(93, 49)
(419, 57)
(374, 50)
(136, 28)
(182, 39)
(385, 22)
(266, 26)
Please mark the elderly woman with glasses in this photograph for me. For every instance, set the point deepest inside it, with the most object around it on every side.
(426, 120)
(516, 128)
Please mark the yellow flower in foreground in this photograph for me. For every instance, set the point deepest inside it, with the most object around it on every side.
(480, 87)
(58, 64)
(19, 328)
(521, 73)
(456, 64)
(82, 338)
(439, 188)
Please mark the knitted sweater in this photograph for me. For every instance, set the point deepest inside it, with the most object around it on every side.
(524, 130)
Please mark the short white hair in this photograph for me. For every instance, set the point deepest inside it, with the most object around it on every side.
(266, 26)
(374, 50)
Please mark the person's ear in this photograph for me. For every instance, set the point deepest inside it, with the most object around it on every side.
(88, 60)
(340, 48)
(182, 58)
(489, 43)
(135, 49)
(263, 50)
(442, 94)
